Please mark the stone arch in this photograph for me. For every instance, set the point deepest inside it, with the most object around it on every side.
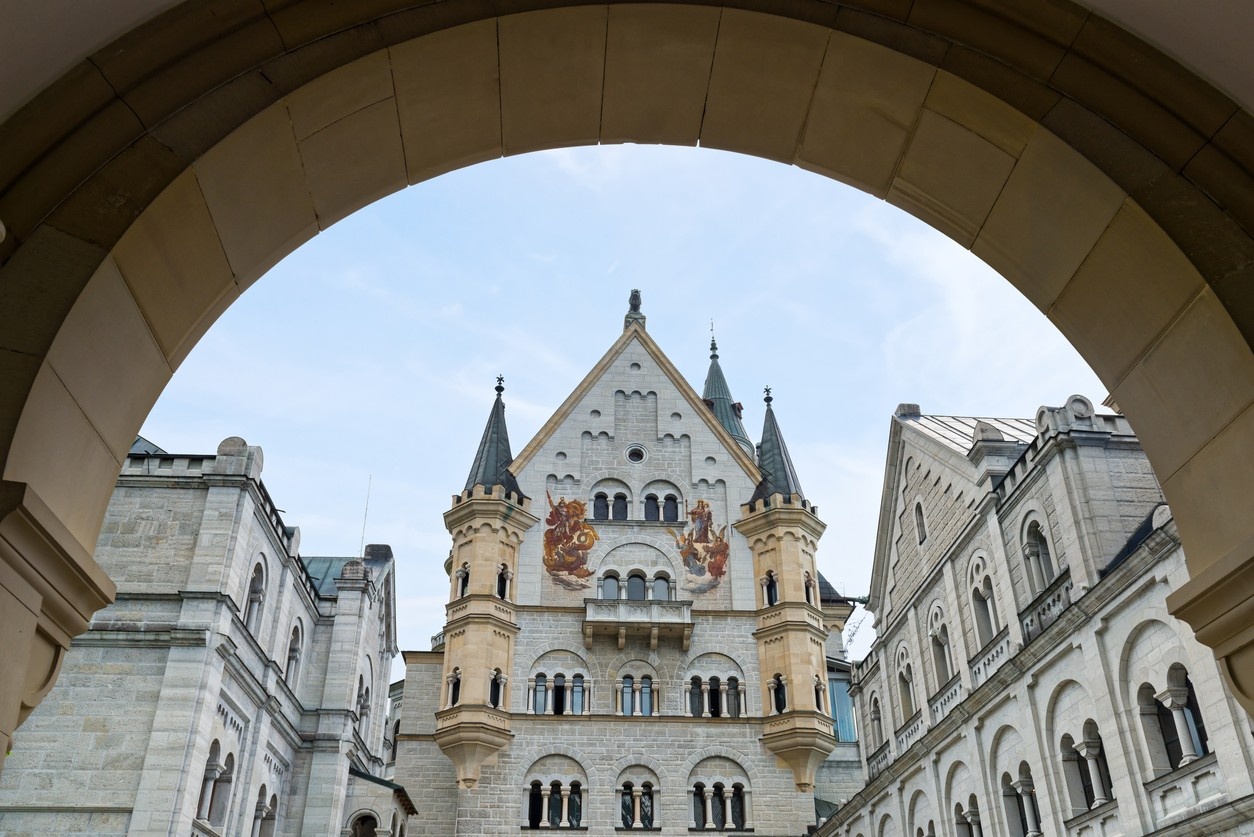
(1133, 223)
(710, 663)
(652, 659)
(958, 786)
(919, 811)
(642, 760)
(529, 758)
(719, 751)
(1068, 706)
(1149, 651)
(1007, 751)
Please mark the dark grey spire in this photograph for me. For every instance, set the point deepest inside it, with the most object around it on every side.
(717, 396)
(493, 458)
(778, 474)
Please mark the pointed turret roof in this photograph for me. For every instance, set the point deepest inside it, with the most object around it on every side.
(493, 458)
(717, 396)
(778, 474)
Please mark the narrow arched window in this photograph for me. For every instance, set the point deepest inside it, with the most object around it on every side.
(985, 612)
(213, 769)
(629, 695)
(620, 506)
(918, 522)
(220, 802)
(646, 805)
(256, 595)
(670, 509)
(733, 697)
(698, 805)
(601, 507)
(502, 582)
(719, 809)
(574, 812)
(772, 589)
(609, 587)
(555, 804)
(293, 658)
(626, 808)
(694, 697)
(906, 693)
(651, 510)
(455, 687)
(577, 696)
(940, 655)
(781, 693)
(541, 694)
(809, 587)
(463, 580)
(738, 807)
(535, 805)
(494, 689)
(646, 695)
(635, 587)
(559, 694)
(716, 703)
(662, 588)
(877, 723)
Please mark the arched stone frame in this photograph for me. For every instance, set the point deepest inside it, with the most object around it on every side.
(720, 767)
(919, 517)
(661, 489)
(904, 683)
(607, 556)
(295, 653)
(704, 667)
(1167, 217)
(1040, 559)
(982, 598)
(943, 663)
(550, 660)
(960, 798)
(885, 826)
(637, 669)
(563, 767)
(256, 585)
(352, 821)
(1068, 704)
(612, 487)
(919, 812)
(636, 778)
(875, 712)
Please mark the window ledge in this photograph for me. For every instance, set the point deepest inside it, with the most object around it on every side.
(1201, 763)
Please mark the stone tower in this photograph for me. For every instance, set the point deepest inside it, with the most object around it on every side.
(487, 521)
(783, 532)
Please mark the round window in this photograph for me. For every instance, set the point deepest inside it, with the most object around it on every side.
(635, 453)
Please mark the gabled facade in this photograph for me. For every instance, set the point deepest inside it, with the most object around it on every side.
(635, 634)
(234, 688)
(1026, 678)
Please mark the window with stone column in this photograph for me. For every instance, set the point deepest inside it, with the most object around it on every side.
(255, 597)
(719, 806)
(294, 650)
(967, 819)
(715, 696)
(503, 578)
(454, 687)
(778, 689)
(213, 769)
(559, 693)
(556, 794)
(496, 687)
(264, 814)
(1038, 560)
(1171, 721)
(1023, 814)
(220, 796)
(462, 577)
(942, 658)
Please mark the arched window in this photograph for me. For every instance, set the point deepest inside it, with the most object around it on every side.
(1175, 733)
(620, 506)
(985, 612)
(1016, 811)
(601, 507)
(938, 632)
(396, 740)
(662, 588)
(555, 804)
(635, 587)
(738, 807)
(770, 589)
(270, 821)
(699, 805)
(220, 800)
(646, 805)
(455, 687)
(670, 509)
(293, 658)
(540, 701)
(1076, 780)
(627, 805)
(213, 769)
(779, 693)
(628, 695)
(559, 694)
(716, 703)
(1038, 563)
(919, 525)
(694, 697)
(905, 692)
(577, 695)
(733, 697)
(877, 723)
(256, 595)
(574, 807)
(503, 575)
(809, 588)
(646, 695)
(535, 805)
(364, 826)
(463, 580)
(609, 587)
(718, 810)
(651, 509)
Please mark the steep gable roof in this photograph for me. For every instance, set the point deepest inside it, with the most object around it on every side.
(635, 332)
(493, 458)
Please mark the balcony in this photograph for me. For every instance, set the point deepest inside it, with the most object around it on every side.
(1102, 821)
(990, 658)
(910, 732)
(652, 620)
(1047, 607)
(1186, 791)
(949, 696)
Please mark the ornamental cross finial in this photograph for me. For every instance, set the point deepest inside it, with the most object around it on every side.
(768, 399)
(500, 383)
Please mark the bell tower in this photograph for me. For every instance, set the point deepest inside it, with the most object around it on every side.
(783, 532)
(487, 521)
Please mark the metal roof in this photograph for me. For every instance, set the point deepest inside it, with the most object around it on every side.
(324, 570)
(717, 396)
(778, 474)
(492, 460)
(957, 432)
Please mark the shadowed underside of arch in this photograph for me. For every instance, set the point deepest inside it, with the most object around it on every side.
(148, 187)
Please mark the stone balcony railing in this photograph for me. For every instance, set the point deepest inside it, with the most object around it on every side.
(991, 657)
(910, 732)
(1045, 609)
(437, 641)
(651, 620)
(877, 761)
(949, 696)
(1102, 821)
(1186, 791)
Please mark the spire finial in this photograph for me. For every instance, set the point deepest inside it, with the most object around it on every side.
(768, 399)
(713, 343)
(500, 384)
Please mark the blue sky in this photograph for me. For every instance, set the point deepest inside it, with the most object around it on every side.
(369, 354)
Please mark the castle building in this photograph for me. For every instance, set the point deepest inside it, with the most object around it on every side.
(637, 635)
(1027, 678)
(234, 688)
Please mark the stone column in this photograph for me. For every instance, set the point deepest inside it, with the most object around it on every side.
(748, 809)
(618, 696)
(692, 809)
(1026, 791)
(973, 820)
(744, 707)
(727, 808)
(1090, 750)
(635, 693)
(708, 793)
(636, 793)
(587, 696)
(570, 690)
(770, 685)
(258, 816)
(722, 699)
(565, 822)
(548, 697)
(531, 696)
(688, 698)
(545, 793)
(212, 772)
(705, 698)
(1175, 698)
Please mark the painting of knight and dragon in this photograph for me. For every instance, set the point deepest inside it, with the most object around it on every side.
(702, 546)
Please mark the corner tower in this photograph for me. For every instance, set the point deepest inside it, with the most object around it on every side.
(487, 521)
(783, 532)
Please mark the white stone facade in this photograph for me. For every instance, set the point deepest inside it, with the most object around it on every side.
(230, 690)
(1027, 678)
(617, 744)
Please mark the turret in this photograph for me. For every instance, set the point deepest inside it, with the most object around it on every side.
(487, 521)
(717, 396)
(783, 532)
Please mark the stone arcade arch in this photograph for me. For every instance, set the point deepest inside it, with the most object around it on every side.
(148, 186)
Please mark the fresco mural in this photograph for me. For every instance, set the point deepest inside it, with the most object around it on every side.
(567, 539)
(704, 550)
